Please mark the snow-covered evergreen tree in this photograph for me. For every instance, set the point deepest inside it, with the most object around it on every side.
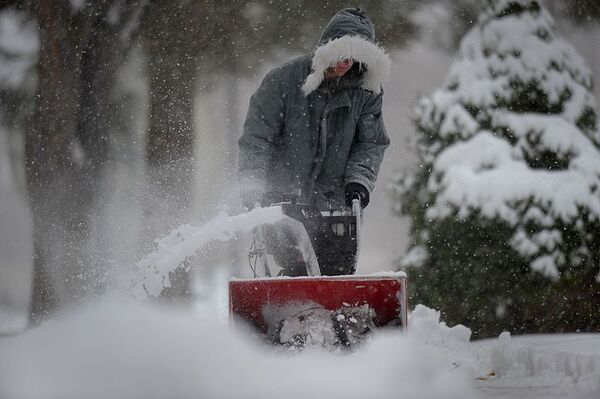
(505, 200)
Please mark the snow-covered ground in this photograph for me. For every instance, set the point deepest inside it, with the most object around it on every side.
(542, 366)
(117, 349)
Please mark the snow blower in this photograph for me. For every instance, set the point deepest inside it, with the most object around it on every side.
(304, 291)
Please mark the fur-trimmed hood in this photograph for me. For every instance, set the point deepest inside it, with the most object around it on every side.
(349, 34)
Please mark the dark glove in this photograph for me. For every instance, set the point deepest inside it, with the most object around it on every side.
(357, 190)
(251, 199)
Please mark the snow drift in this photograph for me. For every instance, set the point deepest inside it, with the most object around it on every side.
(129, 350)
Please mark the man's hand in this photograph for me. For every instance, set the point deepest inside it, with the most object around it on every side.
(357, 190)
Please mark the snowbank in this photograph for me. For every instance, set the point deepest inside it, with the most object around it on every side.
(453, 342)
(128, 350)
(120, 350)
(569, 362)
(535, 366)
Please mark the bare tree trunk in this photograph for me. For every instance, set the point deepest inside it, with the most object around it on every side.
(170, 142)
(170, 29)
(170, 148)
(52, 158)
(67, 145)
(233, 131)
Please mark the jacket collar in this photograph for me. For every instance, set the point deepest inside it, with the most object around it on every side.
(338, 100)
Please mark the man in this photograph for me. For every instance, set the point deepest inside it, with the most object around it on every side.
(314, 126)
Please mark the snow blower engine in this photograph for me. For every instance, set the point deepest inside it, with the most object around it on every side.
(304, 291)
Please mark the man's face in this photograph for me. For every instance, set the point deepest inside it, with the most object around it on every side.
(339, 69)
(343, 66)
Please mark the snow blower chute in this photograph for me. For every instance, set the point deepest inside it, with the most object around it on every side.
(304, 288)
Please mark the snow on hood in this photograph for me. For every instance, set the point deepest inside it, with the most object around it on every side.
(349, 34)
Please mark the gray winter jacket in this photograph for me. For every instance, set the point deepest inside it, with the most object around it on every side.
(307, 136)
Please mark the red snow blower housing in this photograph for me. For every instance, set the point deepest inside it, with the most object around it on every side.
(315, 298)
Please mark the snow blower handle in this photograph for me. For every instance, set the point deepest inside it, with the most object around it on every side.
(357, 212)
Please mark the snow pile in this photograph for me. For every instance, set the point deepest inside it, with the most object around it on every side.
(151, 275)
(569, 362)
(567, 365)
(120, 350)
(129, 350)
(453, 342)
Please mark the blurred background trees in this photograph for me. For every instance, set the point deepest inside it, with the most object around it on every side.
(67, 138)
